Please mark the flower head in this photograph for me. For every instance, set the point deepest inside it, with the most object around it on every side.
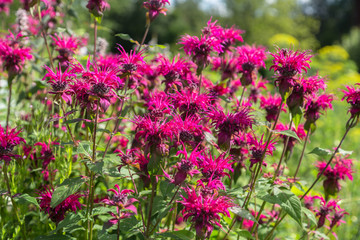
(314, 106)
(204, 210)
(258, 149)
(271, 104)
(8, 140)
(5, 6)
(57, 214)
(352, 96)
(155, 7)
(120, 199)
(97, 7)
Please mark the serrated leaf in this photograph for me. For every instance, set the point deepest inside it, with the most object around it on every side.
(289, 133)
(68, 187)
(85, 148)
(54, 237)
(128, 224)
(310, 215)
(288, 201)
(177, 235)
(26, 199)
(166, 188)
(296, 115)
(96, 167)
(321, 152)
(103, 210)
(243, 213)
(70, 220)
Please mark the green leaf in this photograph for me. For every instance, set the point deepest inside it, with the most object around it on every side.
(103, 210)
(54, 237)
(225, 99)
(343, 152)
(209, 137)
(96, 167)
(289, 133)
(321, 152)
(177, 235)
(288, 201)
(128, 224)
(75, 120)
(310, 215)
(245, 234)
(26, 199)
(243, 213)
(70, 220)
(124, 36)
(166, 188)
(85, 148)
(68, 187)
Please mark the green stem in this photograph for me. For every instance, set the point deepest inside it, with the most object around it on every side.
(242, 95)
(43, 33)
(9, 105)
(14, 206)
(144, 37)
(302, 154)
(153, 190)
(67, 125)
(95, 39)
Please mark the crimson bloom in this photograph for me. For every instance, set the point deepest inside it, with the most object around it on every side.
(5, 6)
(120, 199)
(204, 210)
(13, 54)
(258, 149)
(8, 140)
(155, 7)
(271, 104)
(352, 96)
(66, 46)
(314, 106)
(97, 7)
(326, 208)
(57, 214)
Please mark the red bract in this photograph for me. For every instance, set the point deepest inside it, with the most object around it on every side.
(271, 104)
(200, 48)
(155, 7)
(8, 140)
(97, 7)
(57, 214)
(340, 171)
(352, 96)
(191, 103)
(289, 63)
(204, 210)
(13, 54)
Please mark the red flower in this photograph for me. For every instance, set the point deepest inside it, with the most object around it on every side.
(315, 104)
(8, 140)
(204, 210)
(258, 148)
(5, 6)
(97, 7)
(57, 214)
(271, 104)
(155, 7)
(352, 96)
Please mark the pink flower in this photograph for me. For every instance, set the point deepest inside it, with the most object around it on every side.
(66, 46)
(155, 7)
(315, 104)
(97, 7)
(46, 154)
(271, 104)
(227, 64)
(289, 63)
(8, 140)
(159, 104)
(352, 96)
(13, 55)
(204, 210)
(258, 149)
(200, 48)
(191, 103)
(4, 6)
(312, 84)
(57, 214)
(60, 82)
(325, 209)
(340, 171)
(255, 90)
(120, 199)
(250, 59)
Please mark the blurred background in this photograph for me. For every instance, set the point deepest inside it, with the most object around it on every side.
(331, 28)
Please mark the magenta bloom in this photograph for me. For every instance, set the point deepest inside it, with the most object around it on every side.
(46, 154)
(250, 58)
(314, 105)
(97, 7)
(155, 7)
(58, 213)
(326, 208)
(66, 46)
(191, 103)
(300, 132)
(352, 96)
(8, 140)
(174, 72)
(271, 104)
(13, 55)
(204, 210)
(227, 64)
(340, 171)
(289, 63)
(4, 6)
(230, 124)
(255, 90)
(258, 149)
(158, 105)
(215, 168)
(121, 200)
(201, 48)
(312, 84)
(60, 82)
